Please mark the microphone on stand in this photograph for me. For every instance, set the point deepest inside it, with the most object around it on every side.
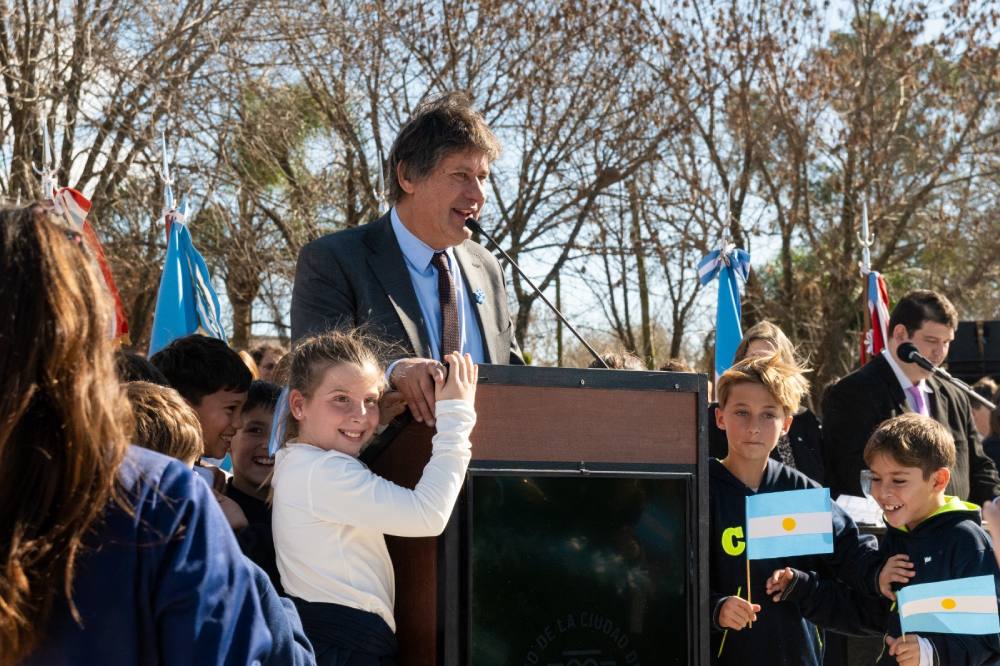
(908, 353)
(472, 225)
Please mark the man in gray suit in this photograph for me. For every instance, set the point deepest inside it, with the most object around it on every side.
(413, 277)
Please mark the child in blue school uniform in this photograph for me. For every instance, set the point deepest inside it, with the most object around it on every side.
(109, 554)
(764, 625)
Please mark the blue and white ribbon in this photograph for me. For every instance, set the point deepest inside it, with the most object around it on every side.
(729, 256)
(279, 424)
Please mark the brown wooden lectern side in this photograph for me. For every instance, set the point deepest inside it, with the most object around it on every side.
(546, 415)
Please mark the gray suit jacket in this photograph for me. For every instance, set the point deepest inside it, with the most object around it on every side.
(358, 278)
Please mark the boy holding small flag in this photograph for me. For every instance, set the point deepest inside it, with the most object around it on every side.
(758, 526)
(935, 546)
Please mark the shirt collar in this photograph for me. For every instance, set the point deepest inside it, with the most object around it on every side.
(417, 252)
(904, 381)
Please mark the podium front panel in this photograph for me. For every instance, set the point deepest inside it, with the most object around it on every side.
(574, 436)
(578, 569)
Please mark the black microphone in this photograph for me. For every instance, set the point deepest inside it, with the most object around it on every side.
(907, 352)
(471, 224)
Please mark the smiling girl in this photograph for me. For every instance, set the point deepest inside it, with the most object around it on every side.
(331, 512)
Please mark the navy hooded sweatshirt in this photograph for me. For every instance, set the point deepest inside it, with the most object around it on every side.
(948, 544)
(781, 635)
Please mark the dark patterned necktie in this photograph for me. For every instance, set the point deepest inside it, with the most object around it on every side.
(451, 339)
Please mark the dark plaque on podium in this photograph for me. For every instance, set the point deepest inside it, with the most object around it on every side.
(580, 538)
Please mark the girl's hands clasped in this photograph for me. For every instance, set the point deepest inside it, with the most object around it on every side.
(461, 382)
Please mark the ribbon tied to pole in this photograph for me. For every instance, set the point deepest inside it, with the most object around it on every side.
(728, 256)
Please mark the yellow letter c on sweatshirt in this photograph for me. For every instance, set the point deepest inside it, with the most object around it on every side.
(730, 543)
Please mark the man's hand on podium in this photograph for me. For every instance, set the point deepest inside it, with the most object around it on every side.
(414, 379)
(390, 405)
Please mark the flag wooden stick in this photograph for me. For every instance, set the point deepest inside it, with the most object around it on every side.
(749, 596)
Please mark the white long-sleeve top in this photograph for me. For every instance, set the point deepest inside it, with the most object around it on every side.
(330, 514)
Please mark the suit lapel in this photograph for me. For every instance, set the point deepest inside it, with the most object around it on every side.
(476, 278)
(389, 267)
(938, 407)
(888, 377)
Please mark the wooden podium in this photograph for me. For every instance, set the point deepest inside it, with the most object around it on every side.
(559, 423)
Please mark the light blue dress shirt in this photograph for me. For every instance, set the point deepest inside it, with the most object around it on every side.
(424, 277)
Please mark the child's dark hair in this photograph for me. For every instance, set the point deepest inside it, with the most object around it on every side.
(197, 366)
(262, 394)
(132, 367)
(313, 356)
(913, 440)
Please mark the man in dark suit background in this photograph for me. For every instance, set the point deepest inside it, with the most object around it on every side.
(413, 277)
(887, 387)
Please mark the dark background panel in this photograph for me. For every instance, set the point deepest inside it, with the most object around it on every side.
(975, 352)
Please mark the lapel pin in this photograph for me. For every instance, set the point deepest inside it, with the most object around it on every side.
(480, 296)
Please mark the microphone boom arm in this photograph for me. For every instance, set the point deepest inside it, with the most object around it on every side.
(474, 226)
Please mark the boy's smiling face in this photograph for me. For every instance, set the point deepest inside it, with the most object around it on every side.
(906, 497)
(251, 464)
(219, 414)
(753, 421)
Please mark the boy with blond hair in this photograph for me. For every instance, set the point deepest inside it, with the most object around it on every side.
(757, 398)
(164, 422)
(930, 537)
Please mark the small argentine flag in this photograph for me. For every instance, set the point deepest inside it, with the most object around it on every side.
(960, 606)
(790, 523)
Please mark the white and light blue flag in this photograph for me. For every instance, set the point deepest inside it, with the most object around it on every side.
(958, 606)
(789, 523)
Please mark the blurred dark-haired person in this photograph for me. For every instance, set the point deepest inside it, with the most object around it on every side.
(266, 357)
(109, 554)
(985, 388)
(414, 278)
(133, 367)
(991, 443)
(887, 387)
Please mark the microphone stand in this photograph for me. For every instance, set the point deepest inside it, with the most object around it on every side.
(470, 222)
(958, 383)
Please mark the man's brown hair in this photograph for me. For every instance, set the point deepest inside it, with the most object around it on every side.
(439, 126)
(921, 305)
(164, 422)
(913, 440)
(784, 381)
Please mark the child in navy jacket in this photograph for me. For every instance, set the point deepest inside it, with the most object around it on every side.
(930, 537)
(756, 401)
